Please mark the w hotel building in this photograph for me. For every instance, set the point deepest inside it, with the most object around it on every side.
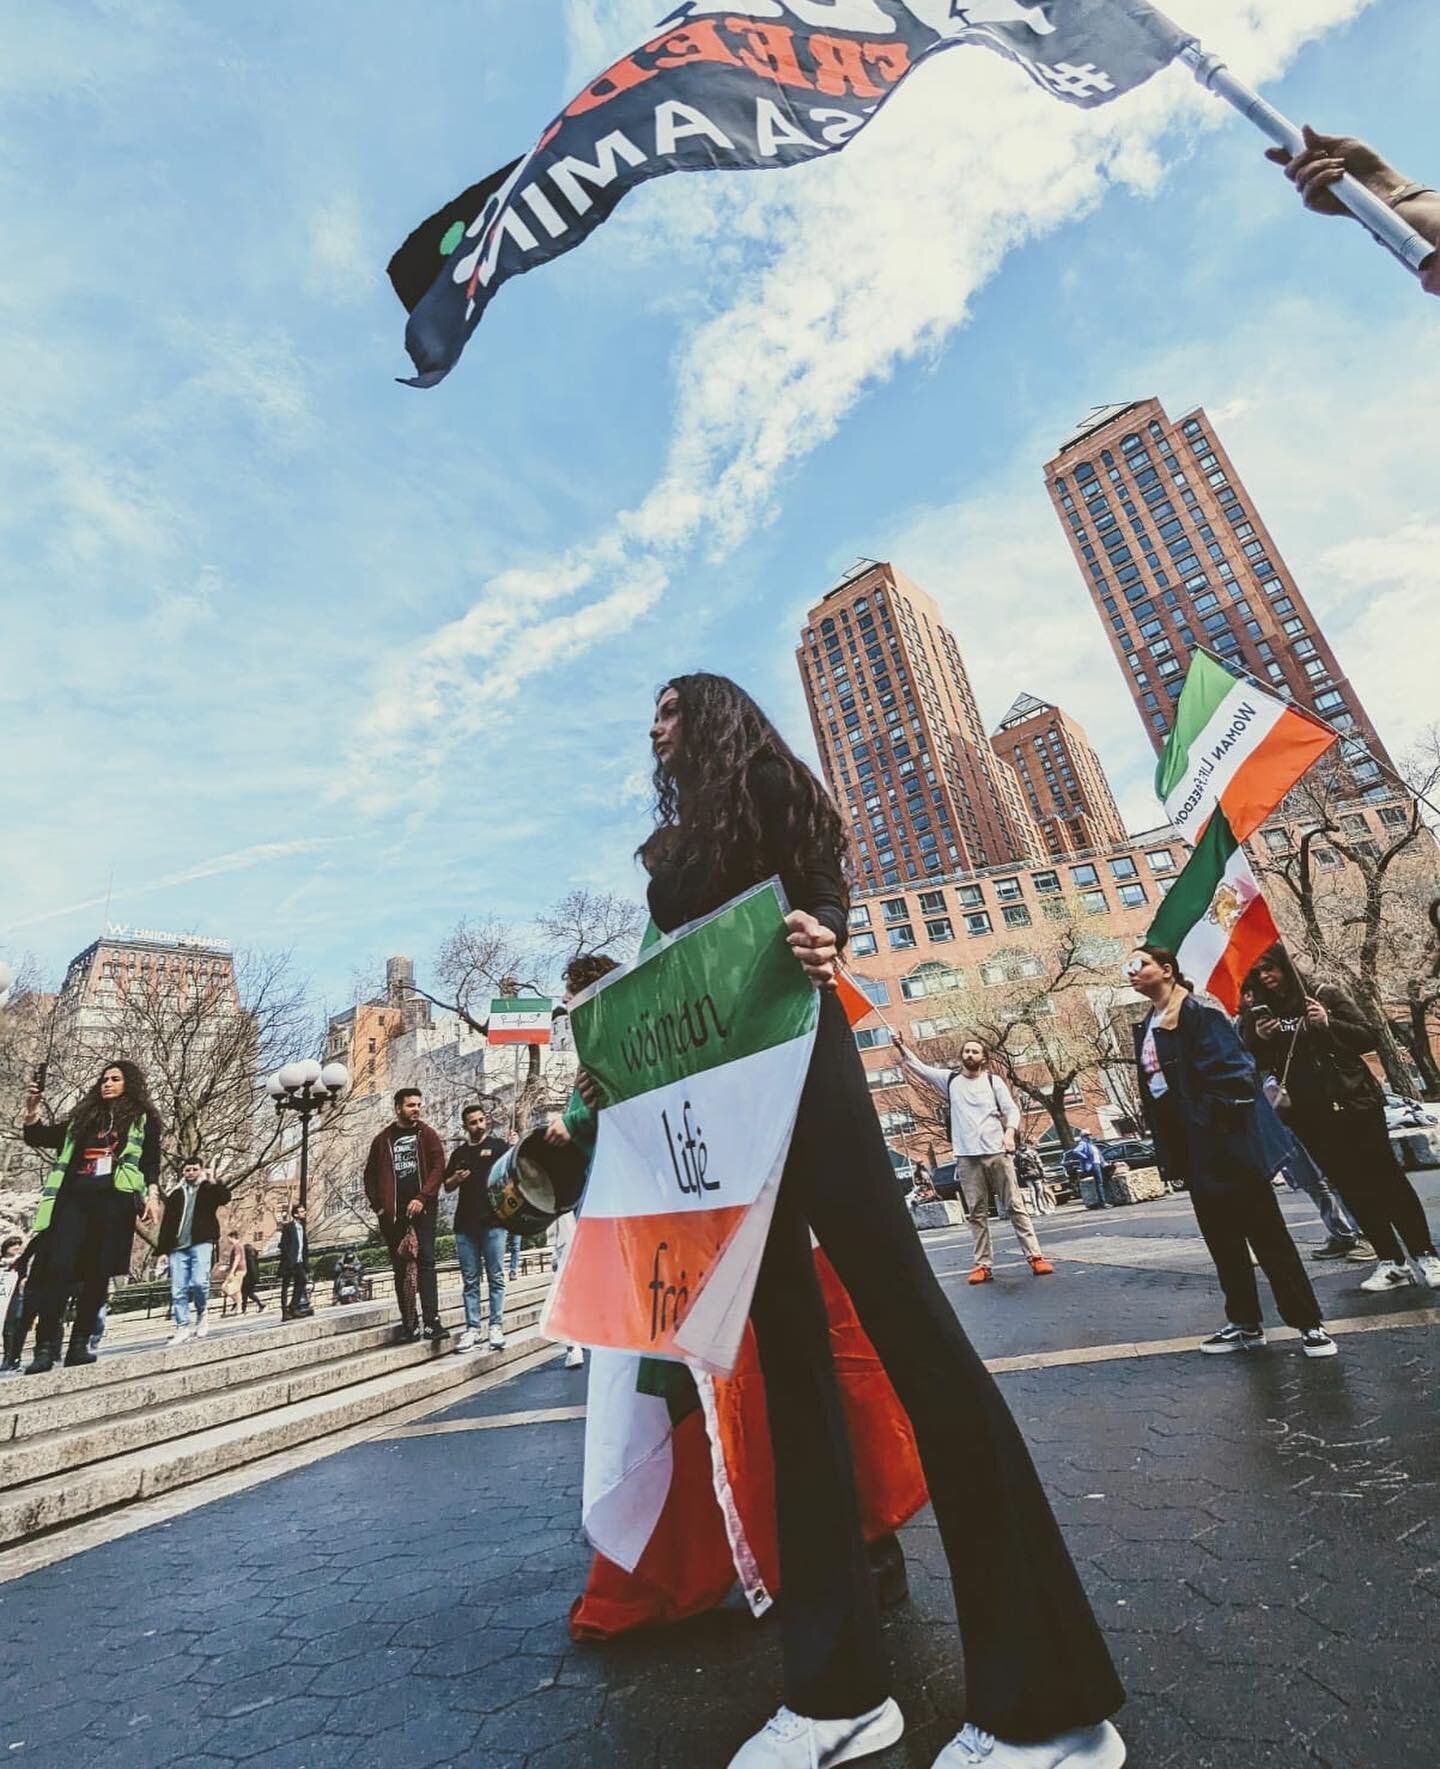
(901, 739)
(1176, 556)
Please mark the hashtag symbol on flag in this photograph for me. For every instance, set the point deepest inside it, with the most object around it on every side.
(1076, 82)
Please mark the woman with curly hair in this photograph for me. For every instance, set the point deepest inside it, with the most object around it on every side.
(736, 806)
(106, 1175)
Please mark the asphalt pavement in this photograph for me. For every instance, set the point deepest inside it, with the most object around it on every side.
(1257, 1533)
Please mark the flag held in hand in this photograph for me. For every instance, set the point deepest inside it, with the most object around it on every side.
(736, 86)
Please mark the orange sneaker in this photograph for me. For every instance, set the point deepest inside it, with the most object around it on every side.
(982, 1274)
(1042, 1267)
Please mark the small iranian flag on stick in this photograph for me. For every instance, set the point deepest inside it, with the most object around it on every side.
(1235, 747)
(519, 1019)
(1215, 919)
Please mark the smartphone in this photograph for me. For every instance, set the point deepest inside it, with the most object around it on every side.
(41, 1071)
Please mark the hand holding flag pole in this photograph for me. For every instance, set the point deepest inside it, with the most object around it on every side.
(1392, 231)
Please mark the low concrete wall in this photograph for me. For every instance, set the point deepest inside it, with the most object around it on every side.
(940, 1214)
(1138, 1186)
(1417, 1149)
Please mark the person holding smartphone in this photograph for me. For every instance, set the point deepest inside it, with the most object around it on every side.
(105, 1178)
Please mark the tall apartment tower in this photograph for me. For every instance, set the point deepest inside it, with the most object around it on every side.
(900, 736)
(1176, 556)
(1061, 776)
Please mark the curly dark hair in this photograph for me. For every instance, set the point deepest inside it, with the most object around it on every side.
(93, 1114)
(586, 968)
(707, 820)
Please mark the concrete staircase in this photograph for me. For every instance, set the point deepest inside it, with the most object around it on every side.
(141, 1423)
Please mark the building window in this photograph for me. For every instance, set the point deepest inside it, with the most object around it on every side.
(901, 938)
(1324, 857)
(1124, 868)
(872, 1037)
(1162, 860)
(860, 915)
(971, 896)
(1165, 885)
(1132, 895)
(940, 929)
(1017, 915)
(932, 902)
(1007, 890)
(1045, 883)
(1277, 841)
(1394, 816)
(895, 909)
(978, 922)
(1084, 875)
(884, 1077)
(1095, 902)
(862, 946)
(874, 991)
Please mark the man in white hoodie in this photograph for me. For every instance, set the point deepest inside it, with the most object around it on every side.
(984, 1120)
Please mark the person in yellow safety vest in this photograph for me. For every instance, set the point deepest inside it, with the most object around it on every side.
(104, 1178)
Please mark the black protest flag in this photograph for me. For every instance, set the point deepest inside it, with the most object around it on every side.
(420, 260)
(737, 86)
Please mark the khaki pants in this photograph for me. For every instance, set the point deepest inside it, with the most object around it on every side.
(980, 1175)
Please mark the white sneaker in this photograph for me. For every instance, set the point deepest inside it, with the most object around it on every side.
(1089, 1747)
(202, 1327)
(182, 1335)
(468, 1340)
(1389, 1275)
(1316, 1342)
(497, 1339)
(790, 1741)
(574, 1358)
(1430, 1269)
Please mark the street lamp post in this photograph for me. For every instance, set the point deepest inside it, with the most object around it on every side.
(305, 1088)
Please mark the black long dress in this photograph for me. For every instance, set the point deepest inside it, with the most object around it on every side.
(1036, 1662)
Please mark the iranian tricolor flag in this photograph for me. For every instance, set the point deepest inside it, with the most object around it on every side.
(1234, 746)
(1215, 919)
(519, 1019)
(699, 1049)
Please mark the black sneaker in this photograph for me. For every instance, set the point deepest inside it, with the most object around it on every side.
(43, 1361)
(1316, 1342)
(437, 1331)
(1233, 1338)
(1334, 1249)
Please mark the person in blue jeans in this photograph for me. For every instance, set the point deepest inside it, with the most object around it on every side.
(514, 1243)
(479, 1238)
(189, 1229)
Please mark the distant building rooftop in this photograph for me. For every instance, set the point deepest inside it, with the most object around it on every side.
(1026, 706)
(1096, 419)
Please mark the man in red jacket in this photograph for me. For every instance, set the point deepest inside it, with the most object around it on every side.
(402, 1182)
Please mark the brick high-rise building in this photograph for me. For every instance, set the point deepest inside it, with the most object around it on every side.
(1176, 555)
(1061, 776)
(900, 737)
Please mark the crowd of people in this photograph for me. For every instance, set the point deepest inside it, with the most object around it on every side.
(1287, 1094)
(103, 1186)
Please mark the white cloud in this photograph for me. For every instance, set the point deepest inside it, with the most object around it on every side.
(261, 854)
(868, 260)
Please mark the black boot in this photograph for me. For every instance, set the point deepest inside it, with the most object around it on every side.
(79, 1352)
(43, 1360)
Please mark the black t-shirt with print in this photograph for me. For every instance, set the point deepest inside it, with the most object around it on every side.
(474, 1160)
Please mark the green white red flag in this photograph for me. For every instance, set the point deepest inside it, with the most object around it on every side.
(1235, 747)
(520, 1019)
(699, 1050)
(1216, 920)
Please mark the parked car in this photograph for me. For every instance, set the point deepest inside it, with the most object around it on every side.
(946, 1181)
(1402, 1113)
(1134, 1151)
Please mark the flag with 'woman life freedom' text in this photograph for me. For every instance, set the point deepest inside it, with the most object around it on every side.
(699, 1049)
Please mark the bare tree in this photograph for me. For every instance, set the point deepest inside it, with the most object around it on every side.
(1044, 1016)
(590, 921)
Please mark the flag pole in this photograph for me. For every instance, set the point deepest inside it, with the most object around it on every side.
(1410, 247)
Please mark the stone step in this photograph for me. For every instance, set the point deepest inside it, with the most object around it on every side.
(161, 1377)
(64, 1498)
(245, 1393)
(226, 1342)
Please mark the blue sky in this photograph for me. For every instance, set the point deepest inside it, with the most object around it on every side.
(312, 661)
